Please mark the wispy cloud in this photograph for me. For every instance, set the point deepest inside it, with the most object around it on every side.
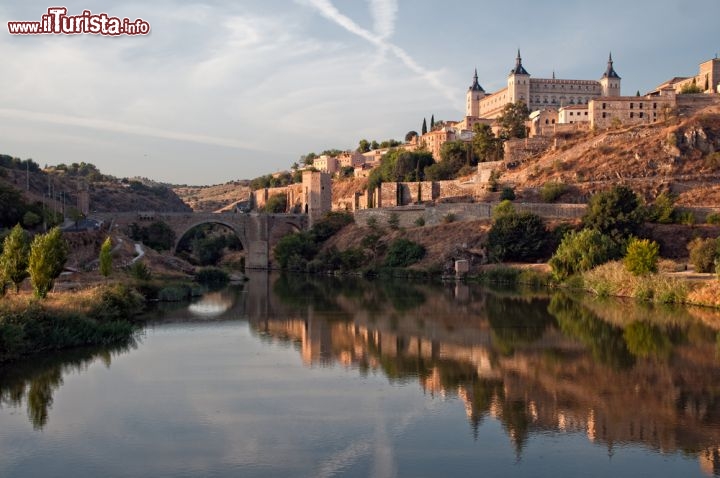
(116, 127)
(384, 14)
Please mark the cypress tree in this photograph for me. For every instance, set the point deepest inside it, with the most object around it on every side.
(106, 257)
(432, 122)
(424, 127)
(14, 258)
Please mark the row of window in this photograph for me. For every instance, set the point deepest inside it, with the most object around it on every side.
(632, 106)
(632, 115)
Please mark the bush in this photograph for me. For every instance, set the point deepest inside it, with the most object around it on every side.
(703, 253)
(449, 217)
(505, 208)
(641, 257)
(663, 209)
(508, 194)
(330, 225)
(300, 244)
(713, 218)
(276, 204)
(420, 222)
(174, 293)
(394, 221)
(517, 237)
(106, 257)
(616, 213)
(403, 253)
(581, 251)
(139, 271)
(551, 191)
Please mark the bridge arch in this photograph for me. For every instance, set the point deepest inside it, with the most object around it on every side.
(235, 228)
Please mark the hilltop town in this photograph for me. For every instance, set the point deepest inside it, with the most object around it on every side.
(584, 134)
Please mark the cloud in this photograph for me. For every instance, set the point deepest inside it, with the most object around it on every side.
(116, 127)
(384, 13)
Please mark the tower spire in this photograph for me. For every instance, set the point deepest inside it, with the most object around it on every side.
(610, 71)
(519, 69)
(475, 84)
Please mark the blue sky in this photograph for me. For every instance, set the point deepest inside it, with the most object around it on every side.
(224, 90)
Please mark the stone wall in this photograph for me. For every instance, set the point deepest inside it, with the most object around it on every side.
(518, 150)
(485, 169)
(438, 214)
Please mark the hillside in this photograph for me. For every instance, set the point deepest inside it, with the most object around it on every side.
(213, 198)
(681, 156)
(107, 194)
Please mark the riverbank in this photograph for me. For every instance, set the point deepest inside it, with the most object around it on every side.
(101, 315)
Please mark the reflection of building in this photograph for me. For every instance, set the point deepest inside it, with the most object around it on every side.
(548, 382)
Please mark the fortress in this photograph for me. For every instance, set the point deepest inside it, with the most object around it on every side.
(539, 93)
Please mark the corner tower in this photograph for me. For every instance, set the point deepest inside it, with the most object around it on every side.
(610, 81)
(474, 94)
(519, 83)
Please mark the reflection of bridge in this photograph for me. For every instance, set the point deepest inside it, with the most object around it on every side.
(258, 233)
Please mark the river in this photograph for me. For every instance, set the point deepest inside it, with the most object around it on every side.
(321, 377)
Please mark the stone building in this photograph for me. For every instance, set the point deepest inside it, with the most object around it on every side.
(631, 110)
(317, 195)
(326, 164)
(538, 93)
(707, 80)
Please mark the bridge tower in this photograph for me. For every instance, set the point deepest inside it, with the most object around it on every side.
(317, 195)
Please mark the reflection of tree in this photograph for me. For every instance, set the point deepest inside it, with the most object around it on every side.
(517, 321)
(303, 291)
(36, 381)
(647, 340)
(605, 341)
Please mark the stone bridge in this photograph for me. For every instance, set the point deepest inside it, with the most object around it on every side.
(258, 233)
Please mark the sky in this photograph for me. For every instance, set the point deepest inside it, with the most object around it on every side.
(226, 90)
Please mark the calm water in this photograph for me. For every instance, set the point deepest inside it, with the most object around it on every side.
(290, 377)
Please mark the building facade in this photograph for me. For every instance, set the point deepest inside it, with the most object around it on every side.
(539, 93)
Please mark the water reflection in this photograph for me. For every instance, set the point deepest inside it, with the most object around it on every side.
(616, 372)
(536, 362)
(35, 381)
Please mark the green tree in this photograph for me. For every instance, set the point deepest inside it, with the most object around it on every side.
(616, 212)
(581, 251)
(374, 145)
(30, 219)
(517, 237)
(663, 209)
(486, 147)
(424, 129)
(641, 257)
(703, 253)
(14, 257)
(363, 146)
(410, 135)
(403, 253)
(159, 236)
(512, 120)
(106, 257)
(48, 253)
(432, 122)
(276, 204)
(691, 89)
(507, 193)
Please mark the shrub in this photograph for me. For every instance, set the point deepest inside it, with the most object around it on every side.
(394, 221)
(687, 218)
(616, 213)
(449, 217)
(703, 253)
(174, 293)
(663, 209)
(420, 222)
(212, 276)
(641, 257)
(508, 194)
(139, 271)
(517, 237)
(551, 191)
(276, 204)
(581, 251)
(713, 218)
(330, 224)
(505, 208)
(403, 253)
(372, 222)
(300, 244)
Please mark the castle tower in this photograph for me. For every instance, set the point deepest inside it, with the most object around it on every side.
(317, 195)
(610, 81)
(519, 83)
(474, 94)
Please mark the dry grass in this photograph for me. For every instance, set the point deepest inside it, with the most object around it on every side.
(707, 295)
(612, 279)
